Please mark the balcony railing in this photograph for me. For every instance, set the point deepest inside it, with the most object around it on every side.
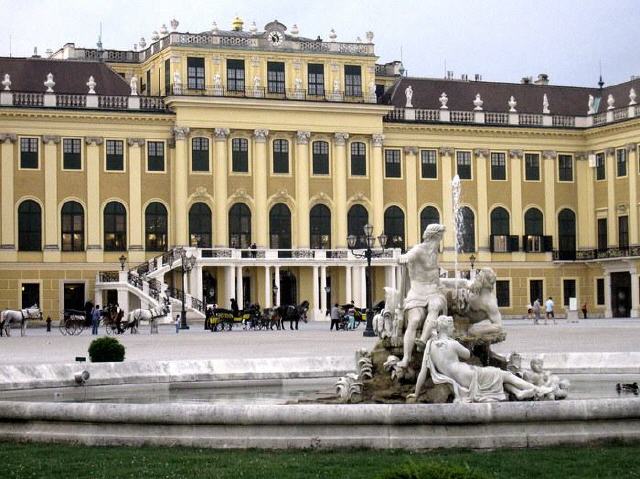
(80, 101)
(108, 276)
(564, 255)
(503, 243)
(537, 244)
(273, 94)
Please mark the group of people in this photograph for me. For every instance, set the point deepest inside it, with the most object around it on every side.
(534, 311)
(343, 317)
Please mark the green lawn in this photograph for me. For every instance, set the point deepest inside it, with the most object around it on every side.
(61, 461)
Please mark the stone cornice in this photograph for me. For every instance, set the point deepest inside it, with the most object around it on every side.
(84, 115)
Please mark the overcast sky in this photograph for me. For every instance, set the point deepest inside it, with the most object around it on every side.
(501, 40)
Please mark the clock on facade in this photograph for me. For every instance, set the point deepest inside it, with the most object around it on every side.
(276, 37)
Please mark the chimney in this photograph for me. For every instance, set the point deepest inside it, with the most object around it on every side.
(526, 80)
(478, 77)
(464, 77)
(543, 79)
(449, 74)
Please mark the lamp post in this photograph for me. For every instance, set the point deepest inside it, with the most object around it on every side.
(188, 262)
(472, 260)
(122, 259)
(368, 253)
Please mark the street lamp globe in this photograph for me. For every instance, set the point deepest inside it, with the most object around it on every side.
(368, 230)
(371, 241)
(351, 241)
(383, 240)
(122, 260)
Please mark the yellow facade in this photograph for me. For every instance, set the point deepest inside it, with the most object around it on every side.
(262, 122)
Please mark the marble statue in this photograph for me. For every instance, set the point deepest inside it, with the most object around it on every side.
(545, 105)
(632, 97)
(611, 101)
(408, 93)
(257, 89)
(442, 360)
(387, 323)
(177, 83)
(425, 300)
(540, 377)
(298, 84)
(591, 105)
(444, 99)
(133, 84)
(217, 84)
(6, 83)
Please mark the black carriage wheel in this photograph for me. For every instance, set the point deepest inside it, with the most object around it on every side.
(229, 325)
(80, 328)
(62, 327)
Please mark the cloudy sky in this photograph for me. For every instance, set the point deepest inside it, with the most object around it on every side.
(501, 40)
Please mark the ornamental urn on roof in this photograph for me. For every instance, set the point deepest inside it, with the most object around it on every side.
(174, 25)
(611, 102)
(545, 105)
(478, 102)
(294, 30)
(253, 28)
(512, 104)
(632, 97)
(155, 36)
(332, 35)
(6, 83)
(49, 83)
(92, 85)
(214, 28)
(142, 42)
(444, 99)
(369, 36)
(163, 30)
(237, 24)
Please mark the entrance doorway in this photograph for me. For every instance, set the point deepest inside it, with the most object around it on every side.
(74, 296)
(288, 288)
(536, 291)
(621, 294)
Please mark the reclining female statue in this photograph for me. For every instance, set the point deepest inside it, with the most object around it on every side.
(470, 383)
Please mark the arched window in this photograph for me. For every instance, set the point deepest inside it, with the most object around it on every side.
(155, 232)
(467, 235)
(200, 225)
(428, 216)
(567, 234)
(72, 226)
(280, 227)
(115, 227)
(394, 227)
(239, 226)
(29, 226)
(499, 222)
(320, 227)
(533, 222)
(356, 219)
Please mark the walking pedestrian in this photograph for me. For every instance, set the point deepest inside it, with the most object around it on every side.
(584, 310)
(335, 317)
(48, 324)
(536, 311)
(549, 311)
(529, 311)
(351, 314)
(177, 323)
(95, 319)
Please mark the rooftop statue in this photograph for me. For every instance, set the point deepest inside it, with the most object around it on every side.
(408, 93)
(442, 359)
(133, 84)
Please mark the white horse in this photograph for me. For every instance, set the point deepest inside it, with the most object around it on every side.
(151, 315)
(9, 316)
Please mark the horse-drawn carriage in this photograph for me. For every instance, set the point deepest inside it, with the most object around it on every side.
(219, 319)
(72, 322)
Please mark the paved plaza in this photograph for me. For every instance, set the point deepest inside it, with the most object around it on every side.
(313, 339)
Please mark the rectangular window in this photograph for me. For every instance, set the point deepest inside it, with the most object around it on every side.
(536, 290)
(29, 153)
(565, 168)
(239, 155)
(568, 291)
(320, 158)
(600, 166)
(532, 167)
(358, 159)
(167, 76)
(315, 75)
(235, 75)
(428, 164)
(602, 234)
(115, 155)
(200, 154)
(195, 73)
(498, 166)
(463, 164)
(155, 156)
(280, 156)
(600, 291)
(502, 293)
(392, 167)
(275, 77)
(621, 162)
(623, 231)
(71, 154)
(30, 295)
(352, 80)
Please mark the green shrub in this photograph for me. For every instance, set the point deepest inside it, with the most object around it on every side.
(431, 470)
(106, 350)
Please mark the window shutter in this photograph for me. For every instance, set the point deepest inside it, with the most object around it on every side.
(547, 243)
(514, 243)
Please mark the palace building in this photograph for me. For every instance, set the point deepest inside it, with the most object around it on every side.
(257, 153)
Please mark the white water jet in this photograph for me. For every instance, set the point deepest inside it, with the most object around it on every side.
(458, 224)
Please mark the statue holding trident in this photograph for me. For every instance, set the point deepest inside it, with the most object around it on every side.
(425, 300)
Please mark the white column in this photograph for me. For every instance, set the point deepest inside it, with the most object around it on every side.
(323, 285)
(196, 283)
(123, 299)
(607, 295)
(315, 307)
(239, 288)
(363, 286)
(634, 295)
(230, 283)
(348, 284)
(276, 273)
(267, 287)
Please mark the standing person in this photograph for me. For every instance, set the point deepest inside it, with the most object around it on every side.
(234, 308)
(335, 317)
(536, 311)
(88, 310)
(584, 310)
(351, 314)
(529, 311)
(48, 324)
(177, 323)
(549, 310)
(95, 319)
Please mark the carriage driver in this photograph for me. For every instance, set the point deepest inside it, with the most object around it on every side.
(425, 300)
